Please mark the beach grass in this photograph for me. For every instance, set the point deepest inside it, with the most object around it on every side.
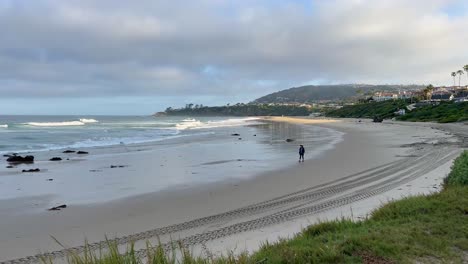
(421, 229)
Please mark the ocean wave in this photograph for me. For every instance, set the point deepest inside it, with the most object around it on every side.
(196, 124)
(80, 122)
(84, 120)
(101, 142)
(4, 126)
(55, 124)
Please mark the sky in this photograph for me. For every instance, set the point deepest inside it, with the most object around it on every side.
(116, 57)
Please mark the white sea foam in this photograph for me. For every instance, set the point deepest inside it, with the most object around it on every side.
(3, 126)
(196, 124)
(55, 124)
(81, 122)
(84, 120)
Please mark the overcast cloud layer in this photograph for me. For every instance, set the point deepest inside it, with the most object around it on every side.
(222, 50)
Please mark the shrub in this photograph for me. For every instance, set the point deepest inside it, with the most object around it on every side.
(459, 173)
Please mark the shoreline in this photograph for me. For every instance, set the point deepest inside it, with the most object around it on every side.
(377, 145)
(164, 166)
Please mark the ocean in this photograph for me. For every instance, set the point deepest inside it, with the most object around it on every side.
(41, 133)
(135, 155)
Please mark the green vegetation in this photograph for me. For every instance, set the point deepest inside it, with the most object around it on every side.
(459, 173)
(316, 93)
(445, 112)
(153, 255)
(239, 110)
(385, 109)
(425, 229)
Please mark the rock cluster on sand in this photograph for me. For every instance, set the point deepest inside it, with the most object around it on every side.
(118, 166)
(377, 119)
(56, 159)
(74, 151)
(32, 170)
(57, 208)
(20, 159)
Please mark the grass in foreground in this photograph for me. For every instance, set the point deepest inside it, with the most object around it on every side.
(428, 229)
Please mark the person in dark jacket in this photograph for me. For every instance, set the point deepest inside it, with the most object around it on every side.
(301, 153)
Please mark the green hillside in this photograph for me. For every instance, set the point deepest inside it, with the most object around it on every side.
(312, 93)
(371, 109)
(443, 113)
(239, 110)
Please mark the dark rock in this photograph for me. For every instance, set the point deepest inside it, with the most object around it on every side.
(117, 166)
(69, 151)
(68, 159)
(289, 140)
(20, 159)
(50, 179)
(57, 208)
(82, 152)
(240, 138)
(235, 135)
(55, 159)
(377, 119)
(10, 167)
(32, 170)
(255, 135)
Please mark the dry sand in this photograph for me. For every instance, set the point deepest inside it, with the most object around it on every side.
(373, 164)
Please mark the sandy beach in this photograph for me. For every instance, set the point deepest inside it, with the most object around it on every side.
(372, 164)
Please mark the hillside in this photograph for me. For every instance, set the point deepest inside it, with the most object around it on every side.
(239, 110)
(445, 112)
(385, 109)
(313, 93)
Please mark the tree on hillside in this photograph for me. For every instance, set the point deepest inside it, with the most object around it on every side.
(453, 75)
(466, 69)
(459, 72)
(428, 91)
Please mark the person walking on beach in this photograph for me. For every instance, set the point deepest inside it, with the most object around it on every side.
(301, 153)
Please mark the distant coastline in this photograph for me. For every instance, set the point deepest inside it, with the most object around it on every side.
(238, 110)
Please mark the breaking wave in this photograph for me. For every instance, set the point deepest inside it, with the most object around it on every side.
(55, 124)
(84, 120)
(3, 126)
(81, 122)
(196, 124)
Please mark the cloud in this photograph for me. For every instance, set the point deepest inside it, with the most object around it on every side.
(222, 48)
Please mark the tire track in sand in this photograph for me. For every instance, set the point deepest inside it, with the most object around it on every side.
(418, 166)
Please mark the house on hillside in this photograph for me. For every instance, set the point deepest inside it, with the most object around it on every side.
(460, 99)
(461, 93)
(442, 96)
(406, 94)
(384, 96)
